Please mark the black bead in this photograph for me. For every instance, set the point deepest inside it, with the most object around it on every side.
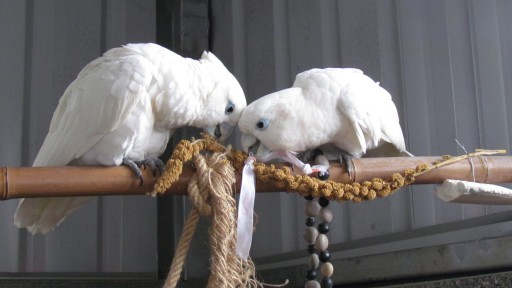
(324, 175)
(327, 282)
(323, 228)
(311, 274)
(311, 248)
(324, 256)
(309, 197)
(310, 221)
(324, 202)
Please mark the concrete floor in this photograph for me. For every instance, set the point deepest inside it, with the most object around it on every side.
(494, 280)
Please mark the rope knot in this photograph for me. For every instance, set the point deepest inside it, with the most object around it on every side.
(198, 186)
(211, 192)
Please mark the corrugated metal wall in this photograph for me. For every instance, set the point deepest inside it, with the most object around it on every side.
(446, 63)
(43, 46)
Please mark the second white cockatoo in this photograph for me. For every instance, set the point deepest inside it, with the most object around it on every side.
(122, 108)
(325, 108)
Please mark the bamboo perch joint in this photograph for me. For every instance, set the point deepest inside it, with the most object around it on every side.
(26, 182)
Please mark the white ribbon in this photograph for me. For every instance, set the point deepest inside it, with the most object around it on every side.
(247, 194)
(246, 210)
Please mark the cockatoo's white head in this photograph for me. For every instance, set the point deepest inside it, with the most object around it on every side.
(270, 124)
(225, 102)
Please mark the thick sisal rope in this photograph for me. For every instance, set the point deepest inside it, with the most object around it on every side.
(211, 193)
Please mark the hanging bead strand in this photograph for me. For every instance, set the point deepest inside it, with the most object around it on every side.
(322, 243)
(312, 210)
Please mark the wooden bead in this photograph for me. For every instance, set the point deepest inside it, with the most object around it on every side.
(327, 269)
(310, 234)
(324, 175)
(314, 261)
(313, 208)
(311, 248)
(312, 284)
(327, 283)
(324, 256)
(311, 274)
(323, 228)
(321, 242)
(325, 215)
(324, 202)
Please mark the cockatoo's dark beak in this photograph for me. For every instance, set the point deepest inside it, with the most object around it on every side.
(220, 131)
(217, 132)
(251, 144)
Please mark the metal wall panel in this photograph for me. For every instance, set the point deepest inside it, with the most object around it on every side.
(12, 63)
(446, 64)
(43, 46)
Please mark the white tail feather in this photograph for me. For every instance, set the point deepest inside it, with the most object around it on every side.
(41, 215)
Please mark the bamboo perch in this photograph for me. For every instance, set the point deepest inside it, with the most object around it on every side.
(26, 182)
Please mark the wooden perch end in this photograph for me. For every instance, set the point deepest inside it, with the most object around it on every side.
(26, 182)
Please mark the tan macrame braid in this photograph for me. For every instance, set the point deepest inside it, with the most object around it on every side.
(210, 190)
(283, 178)
(213, 186)
(303, 184)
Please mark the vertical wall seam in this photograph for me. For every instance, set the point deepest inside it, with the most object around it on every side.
(502, 73)
(507, 39)
(99, 212)
(27, 83)
(121, 235)
(25, 136)
(476, 72)
(281, 44)
(403, 98)
(103, 25)
(239, 43)
(450, 61)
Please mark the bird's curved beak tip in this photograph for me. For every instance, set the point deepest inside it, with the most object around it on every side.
(249, 143)
(220, 131)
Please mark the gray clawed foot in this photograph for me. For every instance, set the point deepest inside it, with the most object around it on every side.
(346, 161)
(155, 164)
(135, 168)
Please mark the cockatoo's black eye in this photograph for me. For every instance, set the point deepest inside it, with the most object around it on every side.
(262, 124)
(230, 108)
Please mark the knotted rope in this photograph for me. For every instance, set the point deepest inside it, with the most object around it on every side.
(210, 190)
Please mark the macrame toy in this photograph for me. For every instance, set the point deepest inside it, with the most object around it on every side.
(211, 193)
(210, 190)
(316, 191)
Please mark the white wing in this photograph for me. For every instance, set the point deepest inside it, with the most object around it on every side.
(368, 108)
(372, 113)
(101, 98)
(97, 102)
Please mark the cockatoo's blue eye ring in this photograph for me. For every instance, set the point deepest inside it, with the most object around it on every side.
(262, 124)
(230, 108)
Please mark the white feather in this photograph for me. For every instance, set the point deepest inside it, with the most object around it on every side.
(333, 106)
(126, 104)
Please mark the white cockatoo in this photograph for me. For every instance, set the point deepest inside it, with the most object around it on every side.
(325, 108)
(122, 108)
